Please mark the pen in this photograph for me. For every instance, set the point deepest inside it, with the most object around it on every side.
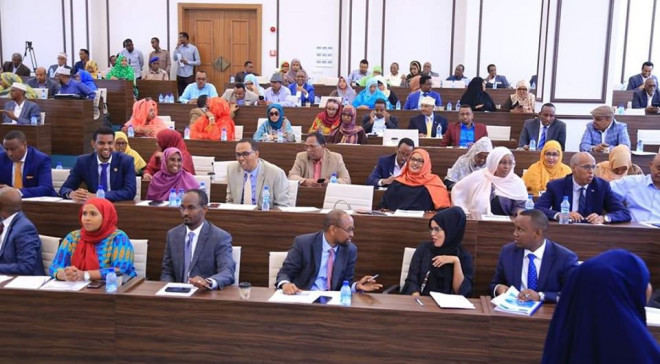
(419, 301)
(426, 279)
(373, 278)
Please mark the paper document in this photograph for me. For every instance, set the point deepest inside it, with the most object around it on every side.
(495, 218)
(326, 211)
(652, 316)
(304, 297)
(451, 301)
(409, 213)
(5, 278)
(634, 152)
(236, 206)
(43, 199)
(55, 285)
(298, 209)
(508, 302)
(162, 292)
(28, 282)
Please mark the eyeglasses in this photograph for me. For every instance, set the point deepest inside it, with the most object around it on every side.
(348, 230)
(587, 167)
(416, 160)
(244, 154)
(435, 229)
(275, 113)
(550, 154)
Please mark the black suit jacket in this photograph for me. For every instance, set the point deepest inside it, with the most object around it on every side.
(419, 122)
(53, 87)
(556, 131)
(21, 251)
(22, 70)
(641, 98)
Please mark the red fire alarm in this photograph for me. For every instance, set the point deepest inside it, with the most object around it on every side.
(273, 29)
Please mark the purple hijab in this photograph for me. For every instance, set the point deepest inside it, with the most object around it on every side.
(163, 181)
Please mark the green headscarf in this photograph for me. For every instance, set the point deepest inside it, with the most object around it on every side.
(8, 79)
(363, 82)
(121, 72)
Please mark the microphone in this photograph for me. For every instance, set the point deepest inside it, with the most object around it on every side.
(426, 279)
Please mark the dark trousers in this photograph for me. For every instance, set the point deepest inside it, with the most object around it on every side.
(182, 82)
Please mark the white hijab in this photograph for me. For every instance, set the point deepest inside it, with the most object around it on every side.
(472, 193)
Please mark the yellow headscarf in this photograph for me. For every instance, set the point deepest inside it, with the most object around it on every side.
(92, 68)
(7, 79)
(619, 157)
(137, 159)
(539, 173)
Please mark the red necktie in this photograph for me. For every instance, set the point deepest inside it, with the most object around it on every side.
(331, 263)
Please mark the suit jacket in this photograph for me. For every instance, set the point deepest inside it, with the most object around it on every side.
(412, 101)
(637, 80)
(419, 122)
(30, 109)
(641, 98)
(557, 262)
(22, 70)
(384, 169)
(367, 125)
(556, 131)
(332, 162)
(21, 250)
(211, 259)
(250, 96)
(37, 176)
(301, 266)
(600, 199)
(122, 177)
(617, 134)
(52, 86)
(453, 134)
(269, 175)
(502, 82)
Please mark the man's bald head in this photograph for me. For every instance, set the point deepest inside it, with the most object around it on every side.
(655, 170)
(10, 201)
(583, 165)
(581, 158)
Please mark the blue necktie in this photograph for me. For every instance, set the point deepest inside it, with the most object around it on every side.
(542, 139)
(531, 273)
(187, 256)
(103, 181)
(582, 202)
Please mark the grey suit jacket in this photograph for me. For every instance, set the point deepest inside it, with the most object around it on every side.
(211, 259)
(301, 266)
(556, 131)
(250, 96)
(30, 109)
(332, 162)
(269, 175)
(52, 86)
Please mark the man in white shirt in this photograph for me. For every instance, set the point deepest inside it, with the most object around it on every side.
(20, 110)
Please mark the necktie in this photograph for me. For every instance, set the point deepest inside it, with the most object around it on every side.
(425, 94)
(187, 257)
(531, 273)
(18, 175)
(429, 127)
(247, 190)
(103, 181)
(330, 266)
(542, 139)
(582, 202)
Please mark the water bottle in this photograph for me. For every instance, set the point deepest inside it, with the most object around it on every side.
(33, 120)
(299, 101)
(333, 178)
(100, 192)
(448, 108)
(179, 197)
(620, 110)
(494, 85)
(640, 146)
(59, 165)
(223, 135)
(317, 100)
(131, 131)
(232, 79)
(161, 98)
(565, 209)
(345, 294)
(265, 199)
(186, 133)
(280, 136)
(529, 204)
(458, 105)
(438, 131)
(532, 144)
(398, 105)
(202, 186)
(170, 99)
(345, 102)
(172, 198)
(111, 282)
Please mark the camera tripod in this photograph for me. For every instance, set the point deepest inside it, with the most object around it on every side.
(33, 57)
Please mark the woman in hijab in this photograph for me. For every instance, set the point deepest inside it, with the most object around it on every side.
(210, 128)
(618, 166)
(290, 76)
(600, 317)
(327, 120)
(96, 249)
(87, 79)
(92, 68)
(384, 88)
(522, 101)
(345, 91)
(275, 122)
(171, 176)
(122, 146)
(366, 99)
(251, 83)
(145, 120)
(548, 167)
(442, 264)
(122, 71)
(473, 160)
(377, 71)
(348, 132)
(477, 97)
(416, 188)
(7, 79)
(492, 190)
(167, 139)
(284, 69)
(415, 69)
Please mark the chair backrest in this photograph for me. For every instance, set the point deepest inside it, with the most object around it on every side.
(498, 132)
(260, 121)
(207, 182)
(649, 137)
(328, 81)
(238, 132)
(348, 197)
(405, 265)
(297, 132)
(293, 193)
(220, 169)
(236, 255)
(49, 245)
(275, 261)
(140, 247)
(391, 137)
(138, 189)
(59, 177)
(203, 165)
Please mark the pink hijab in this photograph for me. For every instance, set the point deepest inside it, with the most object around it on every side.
(163, 181)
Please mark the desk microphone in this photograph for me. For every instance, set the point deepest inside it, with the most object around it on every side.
(426, 279)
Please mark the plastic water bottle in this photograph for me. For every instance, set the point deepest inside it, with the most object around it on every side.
(100, 192)
(345, 294)
(299, 102)
(565, 208)
(172, 198)
(333, 178)
(59, 165)
(232, 79)
(265, 199)
(161, 98)
(458, 105)
(317, 100)
(529, 204)
(280, 136)
(170, 99)
(202, 186)
(620, 110)
(494, 85)
(448, 108)
(179, 197)
(532, 144)
(398, 105)
(33, 120)
(131, 131)
(223, 135)
(111, 282)
(640, 146)
(186, 133)
(345, 102)
(438, 131)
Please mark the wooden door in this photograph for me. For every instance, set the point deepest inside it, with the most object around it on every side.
(229, 31)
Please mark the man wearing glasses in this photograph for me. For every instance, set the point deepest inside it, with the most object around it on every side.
(591, 198)
(247, 177)
(315, 166)
(200, 87)
(322, 261)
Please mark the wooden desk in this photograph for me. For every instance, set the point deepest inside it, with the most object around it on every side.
(38, 136)
(151, 88)
(120, 99)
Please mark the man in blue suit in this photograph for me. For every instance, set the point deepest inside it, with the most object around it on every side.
(647, 98)
(115, 171)
(427, 122)
(414, 100)
(19, 110)
(322, 261)
(534, 264)
(24, 167)
(20, 247)
(389, 167)
(591, 198)
(636, 82)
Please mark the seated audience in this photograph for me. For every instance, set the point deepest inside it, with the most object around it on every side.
(167, 139)
(121, 70)
(647, 98)
(252, 84)
(375, 72)
(591, 198)
(247, 177)
(492, 190)
(322, 261)
(384, 88)
(155, 73)
(248, 69)
(359, 74)
(494, 80)
(301, 86)
(20, 110)
(604, 132)
(413, 84)
(543, 128)
(394, 78)
(465, 132)
(201, 109)
(522, 101)
(414, 100)
(315, 167)
(640, 193)
(86, 79)
(473, 160)
(284, 69)
(240, 96)
(348, 132)
(417, 188)
(618, 165)
(415, 69)
(92, 68)
(200, 87)
(389, 167)
(61, 62)
(548, 168)
(366, 99)
(105, 168)
(327, 120)
(95, 250)
(426, 70)
(379, 119)
(442, 264)
(210, 127)
(428, 121)
(145, 120)
(345, 91)
(476, 96)
(211, 263)
(544, 264)
(636, 82)
(170, 177)
(122, 146)
(21, 246)
(276, 94)
(16, 66)
(291, 75)
(25, 167)
(275, 123)
(7, 80)
(73, 87)
(458, 74)
(41, 81)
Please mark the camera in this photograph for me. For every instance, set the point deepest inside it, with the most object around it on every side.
(28, 44)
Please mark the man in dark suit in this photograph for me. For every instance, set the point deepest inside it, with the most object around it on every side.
(25, 168)
(414, 100)
(41, 81)
(636, 82)
(543, 128)
(115, 171)
(427, 122)
(16, 66)
(322, 261)
(198, 252)
(465, 132)
(390, 166)
(380, 117)
(535, 265)
(20, 110)
(647, 98)
(591, 199)
(20, 247)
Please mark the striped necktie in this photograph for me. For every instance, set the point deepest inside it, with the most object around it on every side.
(532, 276)
(542, 138)
(247, 190)
(330, 266)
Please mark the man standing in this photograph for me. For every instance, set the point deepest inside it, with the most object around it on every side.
(163, 55)
(636, 82)
(24, 167)
(198, 252)
(322, 261)
(61, 62)
(458, 74)
(196, 89)
(427, 122)
(379, 119)
(306, 90)
(647, 98)
(543, 128)
(465, 132)
(359, 74)
(247, 177)
(426, 70)
(134, 57)
(240, 96)
(73, 87)
(495, 79)
(604, 132)
(41, 81)
(248, 70)
(315, 167)
(16, 66)
(389, 167)
(154, 72)
(414, 100)
(19, 110)
(641, 193)
(276, 94)
(187, 56)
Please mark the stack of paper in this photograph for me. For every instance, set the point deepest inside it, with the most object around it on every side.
(236, 206)
(509, 302)
(55, 285)
(652, 316)
(305, 297)
(5, 278)
(43, 199)
(297, 209)
(28, 282)
(451, 301)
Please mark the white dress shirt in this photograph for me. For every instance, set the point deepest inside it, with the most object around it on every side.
(538, 253)
(6, 222)
(106, 184)
(17, 110)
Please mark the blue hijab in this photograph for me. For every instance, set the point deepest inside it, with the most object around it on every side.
(87, 79)
(600, 317)
(366, 97)
(252, 78)
(278, 124)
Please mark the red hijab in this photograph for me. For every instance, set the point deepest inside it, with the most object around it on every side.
(334, 121)
(202, 129)
(166, 139)
(85, 258)
(424, 177)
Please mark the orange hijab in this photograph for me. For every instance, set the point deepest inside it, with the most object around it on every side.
(424, 177)
(139, 119)
(203, 129)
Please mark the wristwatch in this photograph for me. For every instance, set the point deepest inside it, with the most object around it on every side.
(607, 219)
(541, 296)
(86, 276)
